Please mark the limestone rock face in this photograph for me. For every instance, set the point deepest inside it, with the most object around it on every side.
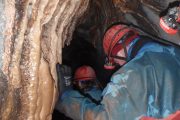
(33, 33)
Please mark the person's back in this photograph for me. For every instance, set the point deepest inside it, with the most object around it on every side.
(147, 84)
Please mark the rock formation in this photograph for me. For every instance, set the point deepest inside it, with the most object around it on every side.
(33, 33)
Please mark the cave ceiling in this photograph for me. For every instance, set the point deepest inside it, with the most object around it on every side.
(33, 33)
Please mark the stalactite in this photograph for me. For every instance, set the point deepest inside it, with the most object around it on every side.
(31, 89)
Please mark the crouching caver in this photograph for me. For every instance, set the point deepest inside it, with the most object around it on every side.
(84, 82)
(147, 84)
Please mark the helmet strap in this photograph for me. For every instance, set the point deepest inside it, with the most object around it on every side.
(120, 57)
(110, 49)
(125, 50)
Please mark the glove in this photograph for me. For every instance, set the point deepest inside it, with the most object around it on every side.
(64, 78)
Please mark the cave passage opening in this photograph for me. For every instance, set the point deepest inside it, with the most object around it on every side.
(84, 49)
(81, 52)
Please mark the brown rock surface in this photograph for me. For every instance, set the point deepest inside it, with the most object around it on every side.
(28, 78)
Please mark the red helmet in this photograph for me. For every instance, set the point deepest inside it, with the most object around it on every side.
(114, 38)
(114, 34)
(84, 73)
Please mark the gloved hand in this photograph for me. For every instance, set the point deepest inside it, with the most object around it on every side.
(64, 74)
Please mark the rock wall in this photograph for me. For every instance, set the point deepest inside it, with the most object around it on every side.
(32, 36)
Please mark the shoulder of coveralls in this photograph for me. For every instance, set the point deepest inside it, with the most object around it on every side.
(133, 66)
(154, 47)
(141, 59)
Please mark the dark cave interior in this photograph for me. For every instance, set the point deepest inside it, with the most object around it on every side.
(85, 49)
(82, 52)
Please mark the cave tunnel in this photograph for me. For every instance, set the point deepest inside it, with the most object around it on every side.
(36, 35)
